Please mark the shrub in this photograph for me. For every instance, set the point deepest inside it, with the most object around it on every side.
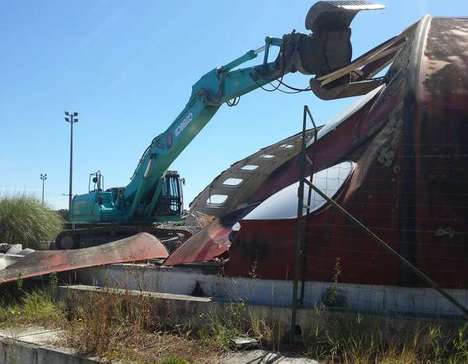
(23, 220)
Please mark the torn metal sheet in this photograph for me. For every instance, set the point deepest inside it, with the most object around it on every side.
(209, 243)
(356, 78)
(139, 247)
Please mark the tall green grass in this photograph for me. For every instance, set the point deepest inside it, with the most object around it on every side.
(31, 308)
(23, 220)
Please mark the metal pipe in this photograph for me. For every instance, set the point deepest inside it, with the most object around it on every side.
(299, 246)
(299, 231)
(309, 201)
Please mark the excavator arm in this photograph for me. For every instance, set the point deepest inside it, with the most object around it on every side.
(216, 87)
(320, 53)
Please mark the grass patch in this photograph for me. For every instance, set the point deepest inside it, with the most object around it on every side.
(131, 328)
(23, 220)
(135, 328)
(34, 308)
(356, 338)
(333, 337)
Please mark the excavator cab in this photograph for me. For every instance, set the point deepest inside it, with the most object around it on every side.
(170, 201)
(96, 182)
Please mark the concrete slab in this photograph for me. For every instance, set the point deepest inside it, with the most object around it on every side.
(35, 345)
(156, 295)
(32, 335)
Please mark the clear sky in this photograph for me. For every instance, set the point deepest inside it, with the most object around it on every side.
(128, 66)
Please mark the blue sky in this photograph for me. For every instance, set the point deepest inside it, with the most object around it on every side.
(128, 68)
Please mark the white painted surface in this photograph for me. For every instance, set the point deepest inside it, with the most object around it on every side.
(283, 204)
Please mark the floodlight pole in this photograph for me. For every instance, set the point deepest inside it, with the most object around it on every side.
(71, 117)
(43, 178)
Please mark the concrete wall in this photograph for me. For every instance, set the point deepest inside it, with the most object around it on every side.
(198, 312)
(14, 351)
(182, 280)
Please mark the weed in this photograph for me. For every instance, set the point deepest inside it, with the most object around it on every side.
(333, 296)
(135, 328)
(356, 338)
(222, 326)
(129, 327)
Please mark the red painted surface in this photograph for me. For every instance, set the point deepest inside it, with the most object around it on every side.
(133, 249)
(410, 145)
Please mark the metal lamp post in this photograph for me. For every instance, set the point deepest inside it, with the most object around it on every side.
(43, 178)
(71, 117)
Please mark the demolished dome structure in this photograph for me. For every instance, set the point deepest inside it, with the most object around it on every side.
(397, 162)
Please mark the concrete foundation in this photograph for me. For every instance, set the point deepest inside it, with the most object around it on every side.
(33, 346)
(194, 311)
(186, 280)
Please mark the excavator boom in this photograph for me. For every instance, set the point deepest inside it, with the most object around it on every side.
(154, 193)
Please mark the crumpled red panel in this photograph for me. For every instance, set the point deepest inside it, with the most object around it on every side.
(207, 244)
(139, 247)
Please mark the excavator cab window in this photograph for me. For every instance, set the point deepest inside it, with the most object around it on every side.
(171, 198)
(96, 182)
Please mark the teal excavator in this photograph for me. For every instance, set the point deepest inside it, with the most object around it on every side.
(154, 195)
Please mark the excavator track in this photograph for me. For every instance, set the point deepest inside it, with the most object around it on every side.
(87, 235)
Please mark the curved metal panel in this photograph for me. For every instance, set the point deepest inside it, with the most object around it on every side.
(133, 249)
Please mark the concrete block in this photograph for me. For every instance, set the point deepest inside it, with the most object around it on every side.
(34, 346)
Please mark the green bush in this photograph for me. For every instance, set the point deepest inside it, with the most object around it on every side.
(23, 220)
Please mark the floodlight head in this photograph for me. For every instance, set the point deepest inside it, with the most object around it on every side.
(67, 119)
(66, 113)
(75, 114)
